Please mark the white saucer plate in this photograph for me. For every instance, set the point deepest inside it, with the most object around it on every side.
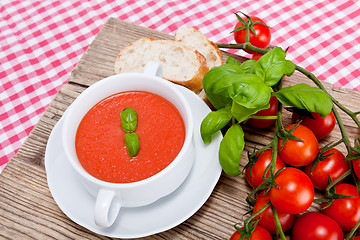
(157, 217)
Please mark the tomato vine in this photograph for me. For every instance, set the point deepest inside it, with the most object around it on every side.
(230, 91)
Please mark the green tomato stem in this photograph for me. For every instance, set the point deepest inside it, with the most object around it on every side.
(278, 127)
(353, 230)
(249, 220)
(332, 184)
(247, 46)
(258, 212)
(277, 223)
(356, 180)
(247, 34)
(262, 149)
(249, 198)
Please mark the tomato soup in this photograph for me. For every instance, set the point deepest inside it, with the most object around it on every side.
(100, 145)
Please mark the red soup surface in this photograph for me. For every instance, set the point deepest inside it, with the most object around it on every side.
(100, 145)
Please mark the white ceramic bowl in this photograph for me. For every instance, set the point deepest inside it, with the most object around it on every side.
(110, 197)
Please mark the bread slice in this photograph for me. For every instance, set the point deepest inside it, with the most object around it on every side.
(180, 64)
(196, 40)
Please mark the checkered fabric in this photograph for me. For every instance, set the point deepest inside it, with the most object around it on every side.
(41, 42)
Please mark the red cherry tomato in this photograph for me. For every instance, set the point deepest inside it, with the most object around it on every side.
(346, 211)
(315, 225)
(259, 233)
(356, 167)
(321, 126)
(271, 111)
(262, 38)
(332, 166)
(267, 218)
(256, 56)
(295, 193)
(258, 169)
(299, 153)
(235, 236)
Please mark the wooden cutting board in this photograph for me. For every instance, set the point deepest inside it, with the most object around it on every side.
(27, 209)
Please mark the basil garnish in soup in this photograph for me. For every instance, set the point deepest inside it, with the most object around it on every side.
(129, 123)
(128, 119)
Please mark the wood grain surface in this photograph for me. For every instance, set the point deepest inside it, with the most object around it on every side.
(27, 209)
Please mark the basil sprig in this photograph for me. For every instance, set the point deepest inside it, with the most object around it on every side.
(238, 91)
(129, 123)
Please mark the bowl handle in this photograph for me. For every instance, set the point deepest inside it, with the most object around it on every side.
(154, 69)
(106, 208)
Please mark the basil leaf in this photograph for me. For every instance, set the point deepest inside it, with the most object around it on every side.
(247, 66)
(132, 143)
(216, 83)
(271, 67)
(289, 68)
(128, 119)
(233, 61)
(252, 66)
(249, 90)
(303, 96)
(230, 150)
(274, 65)
(242, 113)
(214, 122)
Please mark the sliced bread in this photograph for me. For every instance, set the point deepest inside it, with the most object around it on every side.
(196, 40)
(181, 64)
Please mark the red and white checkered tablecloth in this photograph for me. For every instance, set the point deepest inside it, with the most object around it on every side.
(41, 42)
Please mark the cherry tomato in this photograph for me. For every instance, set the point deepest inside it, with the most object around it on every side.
(262, 38)
(258, 169)
(356, 167)
(321, 126)
(235, 236)
(315, 225)
(267, 218)
(346, 211)
(332, 166)
(299, 153)
(271, 111)
(256, 56)
(259, 233)
(295, 193)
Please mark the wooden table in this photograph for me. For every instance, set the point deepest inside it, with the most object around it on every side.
(27, 209)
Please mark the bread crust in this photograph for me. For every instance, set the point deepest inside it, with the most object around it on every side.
(182, 35)
(193, 81)
(195, 84)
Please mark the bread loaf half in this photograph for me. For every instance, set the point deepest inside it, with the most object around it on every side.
(196, 40)
(181, 64)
